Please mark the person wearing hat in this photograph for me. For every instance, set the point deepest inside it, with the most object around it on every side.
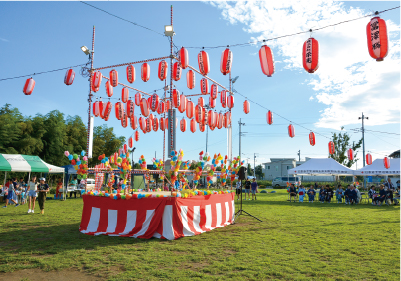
(42, 188)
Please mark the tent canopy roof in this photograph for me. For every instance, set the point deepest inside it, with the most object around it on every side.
(377, 168)
(26, 163)
(321, 166)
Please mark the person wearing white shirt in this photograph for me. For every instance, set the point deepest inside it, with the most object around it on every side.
(32, 195)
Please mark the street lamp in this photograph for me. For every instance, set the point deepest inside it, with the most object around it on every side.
(169, 31)
(86, 51)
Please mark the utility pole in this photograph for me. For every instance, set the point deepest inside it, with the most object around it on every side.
(207, 127)
(240, 136)
(254, 158)
(299, 155)
(363, 142)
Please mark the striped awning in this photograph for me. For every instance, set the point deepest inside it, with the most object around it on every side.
(26, 163)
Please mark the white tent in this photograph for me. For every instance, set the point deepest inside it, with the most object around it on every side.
(377, 168)
(321, 166)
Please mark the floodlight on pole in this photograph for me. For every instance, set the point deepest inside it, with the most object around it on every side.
(85, 50)
(168, 30)
(235, 79)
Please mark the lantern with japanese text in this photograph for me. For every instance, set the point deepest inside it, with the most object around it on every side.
(144, 107)
(350, 154)
(205, 116)
(223, 98)
(190, 109)
(220, 120)
(96, 79)
(266, 60)
(124, 94)
(386, 162)
(199, 113)
(190, 79)
(201, 101)
(310, 55)
(203, 61)
(125, 148)
(202, 127)
(154, 102)
(109, 89)
(29, 86)
(177, 71)
(214, 91)
(376, 32)
(269, 117)
(226, 61)
(145, 72)
(183, 103)
(312, 139)
(368, 159)
(113, 77)
(212, 102)
(130, 73)
(183, 125)
(136, 135)
(161, 107)
(193, 125)
(183, 58)
(332, 148)
(204, 84)
(176, 98)
(124, 120)
(130, 142)
(107, 111)
(230, 101)
(210, 118)
(96, 108)
(162, 71)
(155, 124)
(119, 110)
(246, 107)
(291, 131)
(138, 98)
(69, 77)
(142, 123)
(134, 122)
(130, 108)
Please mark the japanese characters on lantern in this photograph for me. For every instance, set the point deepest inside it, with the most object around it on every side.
(376, 32)
(310, 55)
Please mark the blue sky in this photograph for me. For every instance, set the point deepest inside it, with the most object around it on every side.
(40, 36)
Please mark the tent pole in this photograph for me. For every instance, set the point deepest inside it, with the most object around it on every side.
(5, 176)
(63, 187)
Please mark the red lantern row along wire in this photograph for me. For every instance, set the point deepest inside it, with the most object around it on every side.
(69, 77)
(350, 154)
(368, 159)
(386, 162)
(312, 138)
(332, 149)
(29, 86)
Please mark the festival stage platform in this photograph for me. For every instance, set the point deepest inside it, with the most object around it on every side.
(164, 217)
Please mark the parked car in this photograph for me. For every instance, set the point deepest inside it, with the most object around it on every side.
(282, 181)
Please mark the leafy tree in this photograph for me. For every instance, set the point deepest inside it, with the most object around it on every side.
(53, 138)
(9, 129)
(104, 142)
(342, 144)
(259, 172)
(249, 170)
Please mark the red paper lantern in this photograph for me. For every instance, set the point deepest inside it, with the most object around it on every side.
(119, 110)
(130, 108)
(145, 72)
(124, 120)
(368, 159)
(210, 118)
(214, 91)
(230, 101)
(223, 98)
(312, 139)
(96, 79)
(136, 135)
(203, 61)
(216, 119)
(166, 123)
(162, 124)
(176, 71)
(269, 117)
(226, 61)
(142, 123)
(310, 55)
(386, 162)
(204, 84)
(184, 58)
(193, 126)
(69, 77)
(332, 148)
(176, 98)
(154, 102)
(168, 107)
(199, 113)
(124, 94)
(155, 124)
(227, 119)
(183, 104)
(113, 75)
(144, 107)
(246, 107)
(190, 109)
(183, 125)
(109, 89)
(350, 154)
(190, 79)
(266, 60)
(96, 108)
(162, 71)
(130, 73)
(149, 123)
(125, 148)
(291, 131)
(201, 127)
(212, 102)
(107, 111)
(101, 112)
(134, 122)
(130, 142)
(205, 116)
(138, 98)
(161, 107)
(201, 101)
(376, 32)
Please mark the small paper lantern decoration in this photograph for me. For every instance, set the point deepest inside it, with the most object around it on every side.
(368, 159)
(144, 107)
(291, 131)
(193, 126)
(130, 73)
(190, 79)
(216, 118)
(155, 124)
(29, 86)
(350, 154)
(199, 113)
(69, 77)
(203, 61)
(183, 103)
(154, 103)
(183, 58)
(226, 61)
(125, 148)
(202, 127)
(210, 118)
(204, 84)
(246, 107)
(130, 142)
(138, 98)
(227, 119)
(142, 123)
(386, 162)
(230, 101)
(124, 94)
(130, 108)
(310, 55)
(214, 91)
(269, 117)
(176, 98)
(145, 72)
(183, 125)
(177, 71)
(332, 149)
(205, 116)
(136, 135)
(96, 79)
(266, 60)
(223, 98)
(376, 32)
(96, 108)
(212, 102)
(161, 107)
(134, 122)
(107, 111)
(162, 71)
(162, 124)
(201, 101)
(113, 75)
(124, 120)
(101, 112)
(220, 120)
(312, 139)
(119, 110)
(109, 89)
(190, 109)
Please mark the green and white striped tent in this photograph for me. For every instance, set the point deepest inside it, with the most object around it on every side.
(26, 163)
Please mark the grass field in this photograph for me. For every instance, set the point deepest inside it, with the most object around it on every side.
(295, 241)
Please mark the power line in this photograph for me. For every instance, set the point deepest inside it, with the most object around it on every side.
(358, 130)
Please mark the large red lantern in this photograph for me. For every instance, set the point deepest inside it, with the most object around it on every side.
(269, 117)
(138, 98)
(368, 159)
(177, 71)
(212, 102)
(145, 72)
(176, 98)
(199, 113)
(124, 120)
(291, 131)
(226, 61)
(155, 124)
(162, 71)
(203, 61)
(130, 142)
(376, 32)
(29, 86)
(183, 104)
(183, 125)
(130, 108)
(107, 111)
(201, 101)
(386, 162)
(310, 55)
(109, 89)
(230, 101)
(312, 139)
(113, 77)
(119, 110)
(96, 108)
(162, 124)
(161, 107)
(184, 58)
(134, 122)
(136, 135)
(350, 154)
(130, 73)
(332, 148)
(96, 79)
(69, 77)
(223, 98)
(190, 79)
(154, 102)
(190, 109)
(214, 91)
(193, 126)
(246, 107)
(204, 84)
(266, 60)
(124, 94)
(144, 107)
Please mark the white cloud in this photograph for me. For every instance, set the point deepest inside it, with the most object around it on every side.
(348, 80)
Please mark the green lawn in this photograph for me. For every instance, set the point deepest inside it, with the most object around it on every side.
(298, 241)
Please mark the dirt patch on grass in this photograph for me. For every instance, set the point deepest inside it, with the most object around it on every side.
(39, 275)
